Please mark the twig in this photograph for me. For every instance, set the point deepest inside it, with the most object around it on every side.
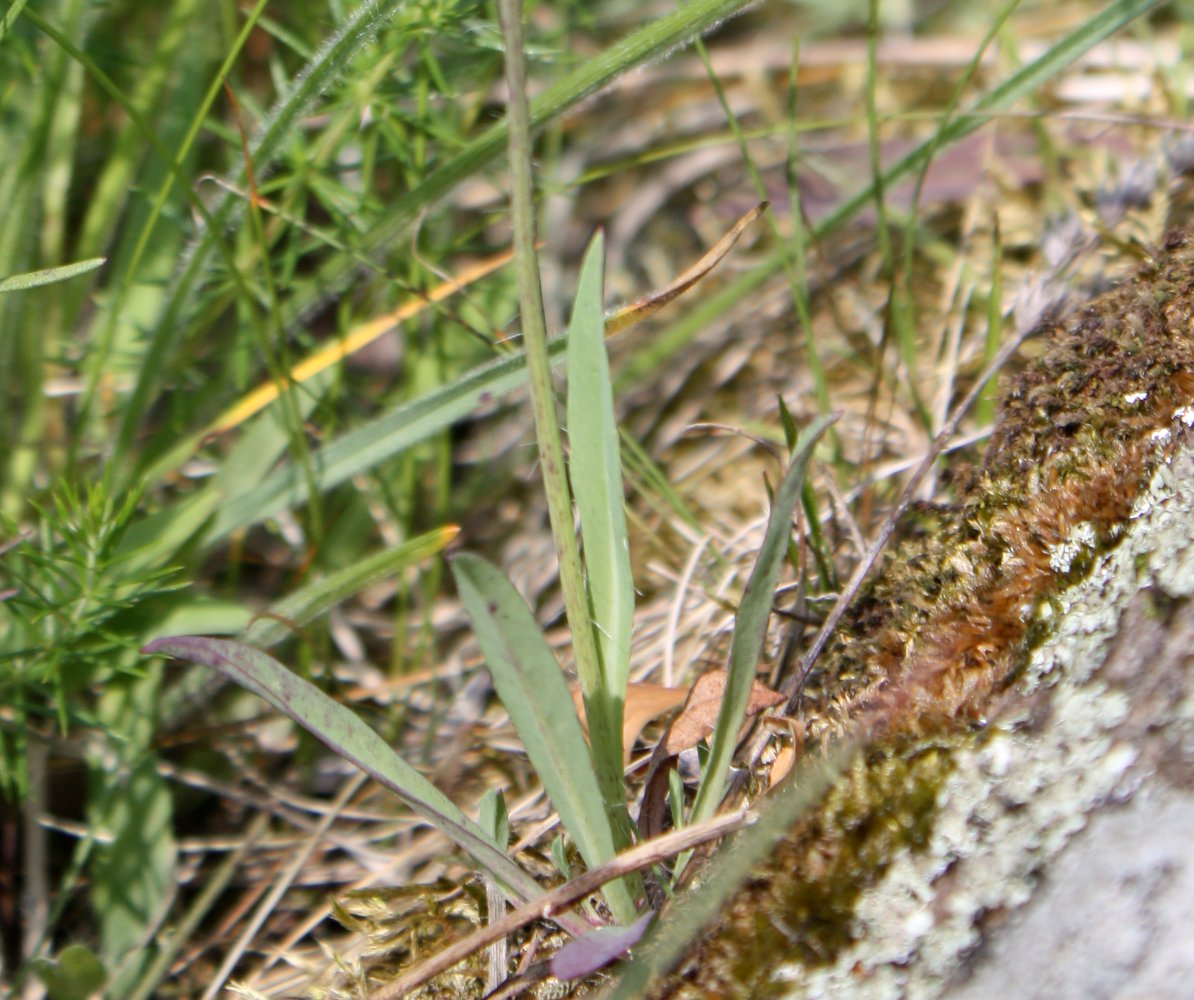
(795, 684)
(642, 856)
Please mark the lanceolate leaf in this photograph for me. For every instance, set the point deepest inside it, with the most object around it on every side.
(751, 625)
(533, 690)
(595, 467)
(348, 736)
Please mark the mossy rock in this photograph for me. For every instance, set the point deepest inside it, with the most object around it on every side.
(1019, 666)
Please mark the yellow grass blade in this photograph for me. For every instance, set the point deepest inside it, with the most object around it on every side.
(325, 357)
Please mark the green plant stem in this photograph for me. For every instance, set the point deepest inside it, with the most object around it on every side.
(651, 42)
(603, 731)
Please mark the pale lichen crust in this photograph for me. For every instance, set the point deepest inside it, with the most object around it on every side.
(1064, 744)
(975, 668)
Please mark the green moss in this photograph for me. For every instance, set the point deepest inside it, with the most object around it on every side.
(802, 904)
(963, 599)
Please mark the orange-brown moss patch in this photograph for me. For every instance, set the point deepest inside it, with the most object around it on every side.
(944, 625)
(952, 616)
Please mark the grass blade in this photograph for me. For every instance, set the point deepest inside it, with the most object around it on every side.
(595, 467)
(368, 446)
(751, 625)
(729, 869)
(315, 598)
(32, 279)
(533, 690)
(347, 735)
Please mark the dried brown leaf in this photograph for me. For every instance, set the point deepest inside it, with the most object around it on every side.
(633, 314)
(782, 765)
(699, 717)
(644, 703)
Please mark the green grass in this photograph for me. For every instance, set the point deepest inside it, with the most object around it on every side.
(149, 280)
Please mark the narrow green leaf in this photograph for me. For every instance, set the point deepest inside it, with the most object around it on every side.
(559, 854)
(595, 467)
(197, 614)
(603, 734)
(532, 688)
(750, 628)
(151, 541)
(729, 869)
(32, 279)
(315, 598)
(493, 817)
(788, 422)
(348, 736)
(133, 872)
(370, 445)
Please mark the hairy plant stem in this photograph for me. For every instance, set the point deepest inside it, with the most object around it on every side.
(603, 711)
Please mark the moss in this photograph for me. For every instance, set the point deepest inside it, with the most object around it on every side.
(884, 807)
(966, 600)
(942, 627)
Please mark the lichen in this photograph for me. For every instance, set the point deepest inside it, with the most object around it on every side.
(884, 807)
(1012, 799)
(940, 630)
(991, 614)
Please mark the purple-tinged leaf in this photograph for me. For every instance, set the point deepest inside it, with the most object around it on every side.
(586, 954)
(347, 735)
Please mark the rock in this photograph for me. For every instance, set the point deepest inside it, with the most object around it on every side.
(1016, 822)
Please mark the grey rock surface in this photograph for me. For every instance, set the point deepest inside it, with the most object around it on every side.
(1112, 917)
(1059, 865)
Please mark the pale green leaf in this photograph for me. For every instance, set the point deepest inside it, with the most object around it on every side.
(533, 690)
(595, 467)
(32, 279)
(750, 628)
